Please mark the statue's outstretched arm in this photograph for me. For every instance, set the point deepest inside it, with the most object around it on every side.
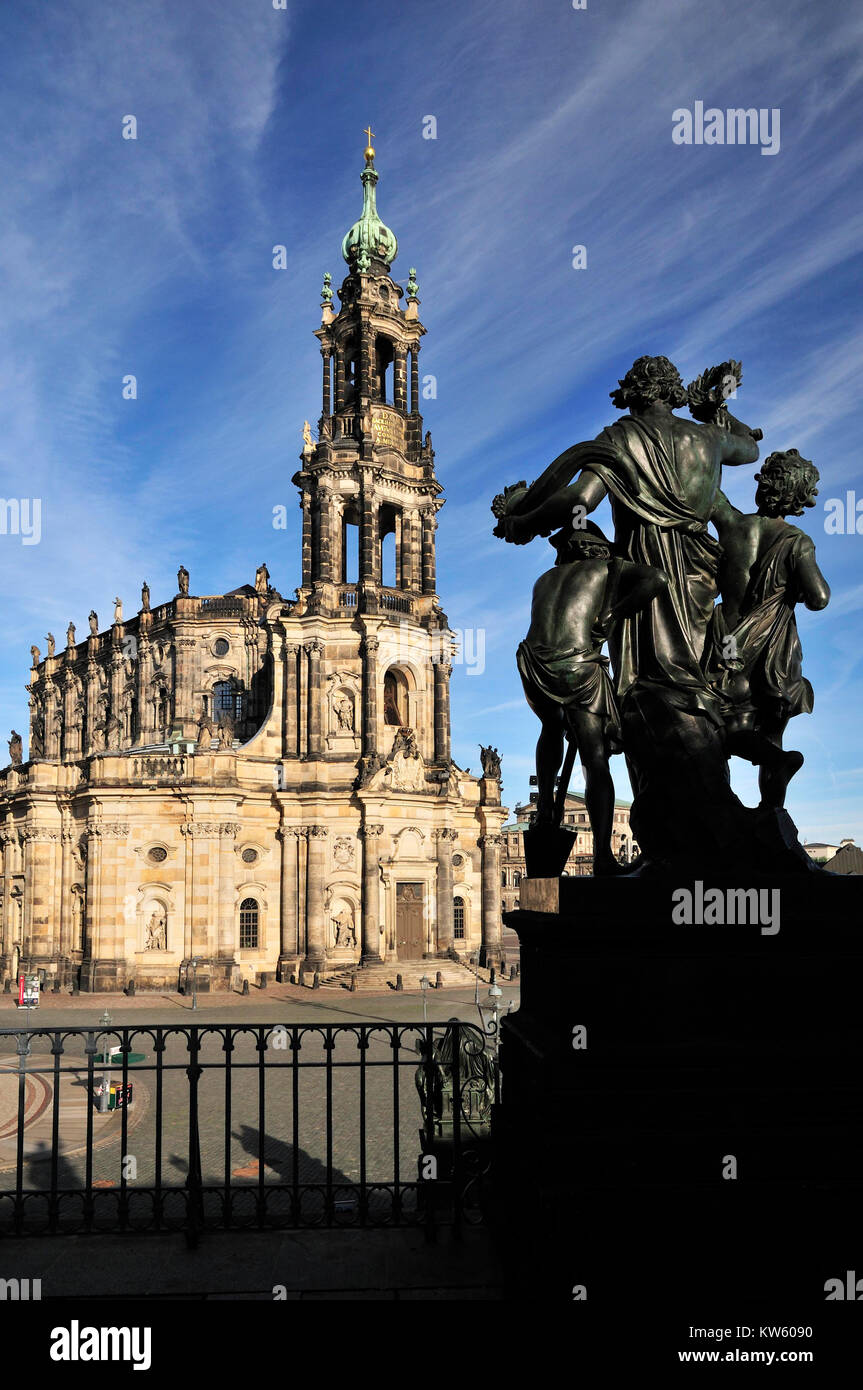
(587, 491)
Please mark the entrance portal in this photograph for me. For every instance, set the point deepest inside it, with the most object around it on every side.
(410, 921)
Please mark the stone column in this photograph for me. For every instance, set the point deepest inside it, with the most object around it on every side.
(415, 379)
(369, 649)
(184, 716)
(491, 912)
(223, 924)
(104, 966)
(292, 721)
(316, 869)
(146, 711)
(442, 673)
(367, 525)
(313, 650)
(400, 377)
(324, 567)
(71, 716)
(371, 923)
(41, 844)
(325, 403)
(289, 935)
(444, 905)
(428, 548)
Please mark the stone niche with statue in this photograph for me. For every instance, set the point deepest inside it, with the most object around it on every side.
(342, 915)
(342, 704)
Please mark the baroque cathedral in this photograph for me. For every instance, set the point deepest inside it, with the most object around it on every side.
(263, 786)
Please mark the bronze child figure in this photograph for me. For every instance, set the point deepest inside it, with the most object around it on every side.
(565, 675)
(753, 655)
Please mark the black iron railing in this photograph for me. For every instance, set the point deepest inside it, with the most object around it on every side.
(159, 1128)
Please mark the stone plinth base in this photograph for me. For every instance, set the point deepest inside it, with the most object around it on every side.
(680, 1116)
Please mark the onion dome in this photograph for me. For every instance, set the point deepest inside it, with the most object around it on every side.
(369, 239)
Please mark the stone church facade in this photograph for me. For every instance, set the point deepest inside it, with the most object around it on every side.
(261, 785)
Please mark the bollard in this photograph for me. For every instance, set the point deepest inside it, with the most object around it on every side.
(353, 982)
(438, 980)
(76, 988)
(245, 988)
(130, 989)
(262, 980)
(316, 982)
(491, 976)
(7, 987)
(503, 965)
(399, 982)
(55, 988)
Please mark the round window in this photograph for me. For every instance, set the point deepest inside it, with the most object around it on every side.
(221, 647)
(158, 854)
(249, 856)
(458, 860)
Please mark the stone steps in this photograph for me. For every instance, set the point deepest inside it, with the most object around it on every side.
(378, 978)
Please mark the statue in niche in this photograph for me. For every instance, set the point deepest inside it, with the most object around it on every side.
(408, 767)
(183, 581)
(15, 749)
(70, 636)
(50, 640)
(344, 712)
(113, 733)
(490, 759)
(392, 713)
(37, 731)
(94, 623)
(344, 931)
(156, 930)
(753, 655)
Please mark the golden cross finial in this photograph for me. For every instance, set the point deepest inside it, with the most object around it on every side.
(370, 133)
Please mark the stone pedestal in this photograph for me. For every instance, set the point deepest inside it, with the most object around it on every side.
(680, 1117)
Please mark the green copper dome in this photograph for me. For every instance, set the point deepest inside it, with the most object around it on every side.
(369, 239)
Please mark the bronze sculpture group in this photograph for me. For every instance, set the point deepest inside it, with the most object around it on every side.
(694, 682)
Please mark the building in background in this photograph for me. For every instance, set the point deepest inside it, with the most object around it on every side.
(254, 784)
(580, 862)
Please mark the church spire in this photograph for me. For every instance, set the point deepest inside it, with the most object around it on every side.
(369, 239)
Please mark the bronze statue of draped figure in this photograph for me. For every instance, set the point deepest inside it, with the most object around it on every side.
(679, 716)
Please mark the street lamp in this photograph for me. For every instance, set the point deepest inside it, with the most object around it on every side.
(105, 1021)
(425, 984)
(194, 965)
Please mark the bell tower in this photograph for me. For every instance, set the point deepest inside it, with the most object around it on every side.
(368, 488)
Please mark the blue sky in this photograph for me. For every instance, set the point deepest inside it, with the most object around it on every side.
(154, 257)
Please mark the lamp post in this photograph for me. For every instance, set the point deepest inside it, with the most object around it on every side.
(194, 965)
(105, 1021)
(425, 983)
(490, 1012)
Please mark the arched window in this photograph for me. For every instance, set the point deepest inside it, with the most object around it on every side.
(458, 919)
(516, 878)
(248, 924)
(395, 698)
(227, 699)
